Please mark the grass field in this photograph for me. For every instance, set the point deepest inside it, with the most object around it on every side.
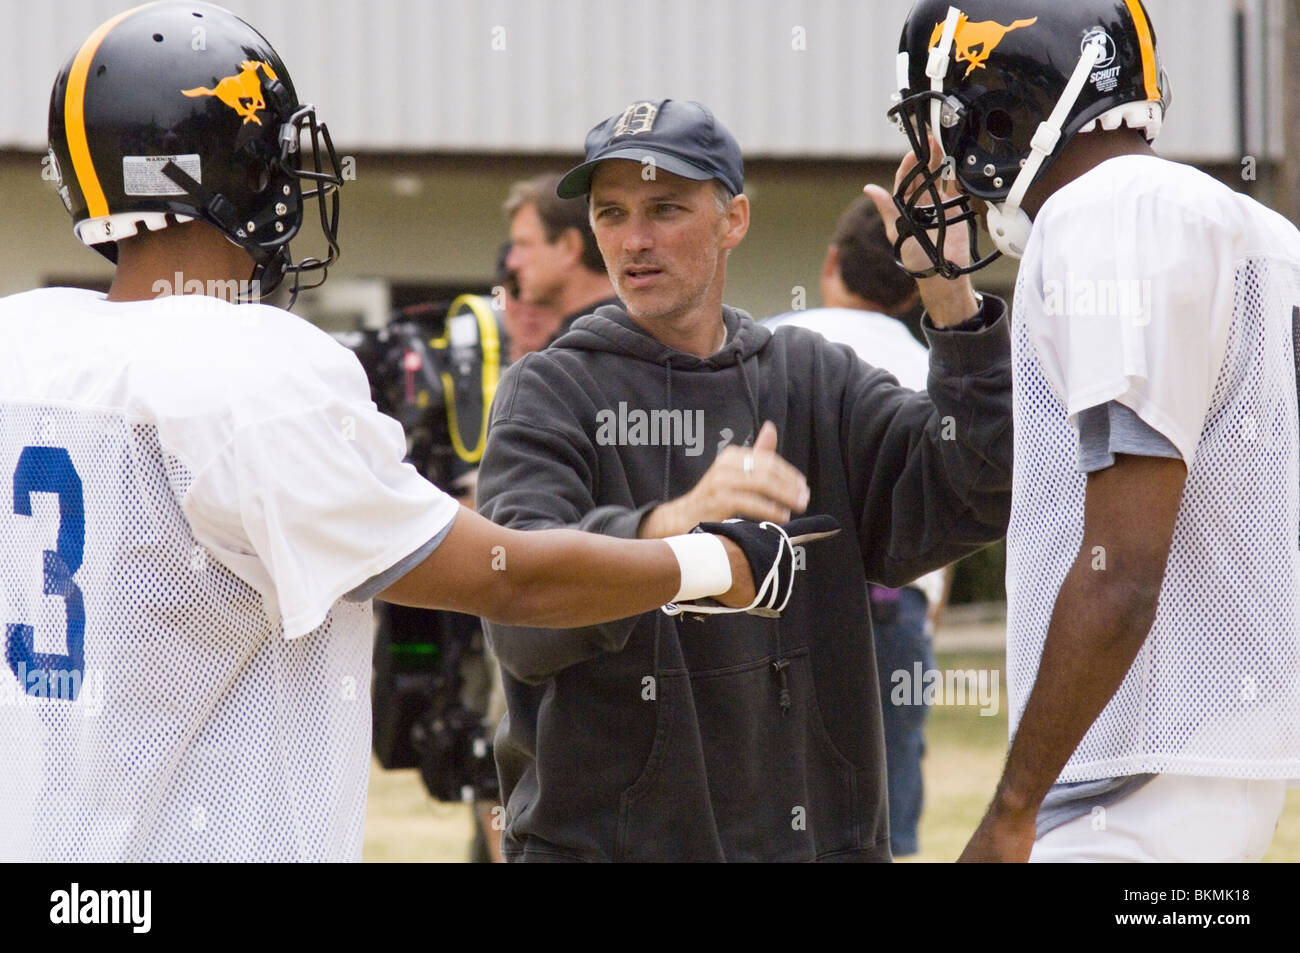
(961, 769)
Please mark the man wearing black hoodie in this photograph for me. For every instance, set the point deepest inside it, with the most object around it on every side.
(736, 738)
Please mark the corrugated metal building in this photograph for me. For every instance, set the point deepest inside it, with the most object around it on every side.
(444, 102)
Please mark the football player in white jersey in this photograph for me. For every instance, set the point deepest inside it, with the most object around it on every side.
(200, 498)
(1153, 565)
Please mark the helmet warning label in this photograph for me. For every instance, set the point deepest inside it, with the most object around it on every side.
(143, 175)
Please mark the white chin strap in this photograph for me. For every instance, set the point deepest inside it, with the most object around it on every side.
(937, 70)
(1008, 223)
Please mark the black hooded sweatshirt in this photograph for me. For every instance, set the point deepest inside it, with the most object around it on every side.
(738, 738)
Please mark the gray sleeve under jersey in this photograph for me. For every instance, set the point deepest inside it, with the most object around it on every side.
(1112, 428)
(377, 584)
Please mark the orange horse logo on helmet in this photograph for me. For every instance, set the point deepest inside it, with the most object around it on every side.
(241, 92)
(976, 41)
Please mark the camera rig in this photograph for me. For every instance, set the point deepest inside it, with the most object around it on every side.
(434, 369)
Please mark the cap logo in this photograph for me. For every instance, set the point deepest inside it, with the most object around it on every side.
(637, 118)
(975, 42)
(241, 92)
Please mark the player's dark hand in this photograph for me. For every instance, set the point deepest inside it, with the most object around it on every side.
(764, 580)
(1001, 838)
(741, 592)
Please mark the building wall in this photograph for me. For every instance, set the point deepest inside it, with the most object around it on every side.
(808, 78)
(439, 221)
(440, 121)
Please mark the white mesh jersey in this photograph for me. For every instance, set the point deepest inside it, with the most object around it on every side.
(187, 488)
(1149, 283)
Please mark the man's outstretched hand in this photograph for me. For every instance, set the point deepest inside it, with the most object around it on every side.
(754, 483)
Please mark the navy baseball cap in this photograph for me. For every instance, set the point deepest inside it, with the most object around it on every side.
(681, 137)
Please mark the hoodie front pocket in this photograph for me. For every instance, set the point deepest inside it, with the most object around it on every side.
(732, 777)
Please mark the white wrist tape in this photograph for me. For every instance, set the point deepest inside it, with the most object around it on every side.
(705, 568)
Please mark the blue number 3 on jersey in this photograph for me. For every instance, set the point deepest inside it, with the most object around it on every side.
(50, 675)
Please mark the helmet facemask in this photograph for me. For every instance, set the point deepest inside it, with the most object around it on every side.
(918, 116)
(924, 214)
(998, 128)
(283, 173)
(325, 193)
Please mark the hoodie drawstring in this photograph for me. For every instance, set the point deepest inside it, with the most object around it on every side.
(782, 663)
(779, 666)
(749, 391)
(668, 404)
(668, 473)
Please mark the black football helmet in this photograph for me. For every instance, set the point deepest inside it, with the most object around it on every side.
(1003, 86)
(172, 112)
